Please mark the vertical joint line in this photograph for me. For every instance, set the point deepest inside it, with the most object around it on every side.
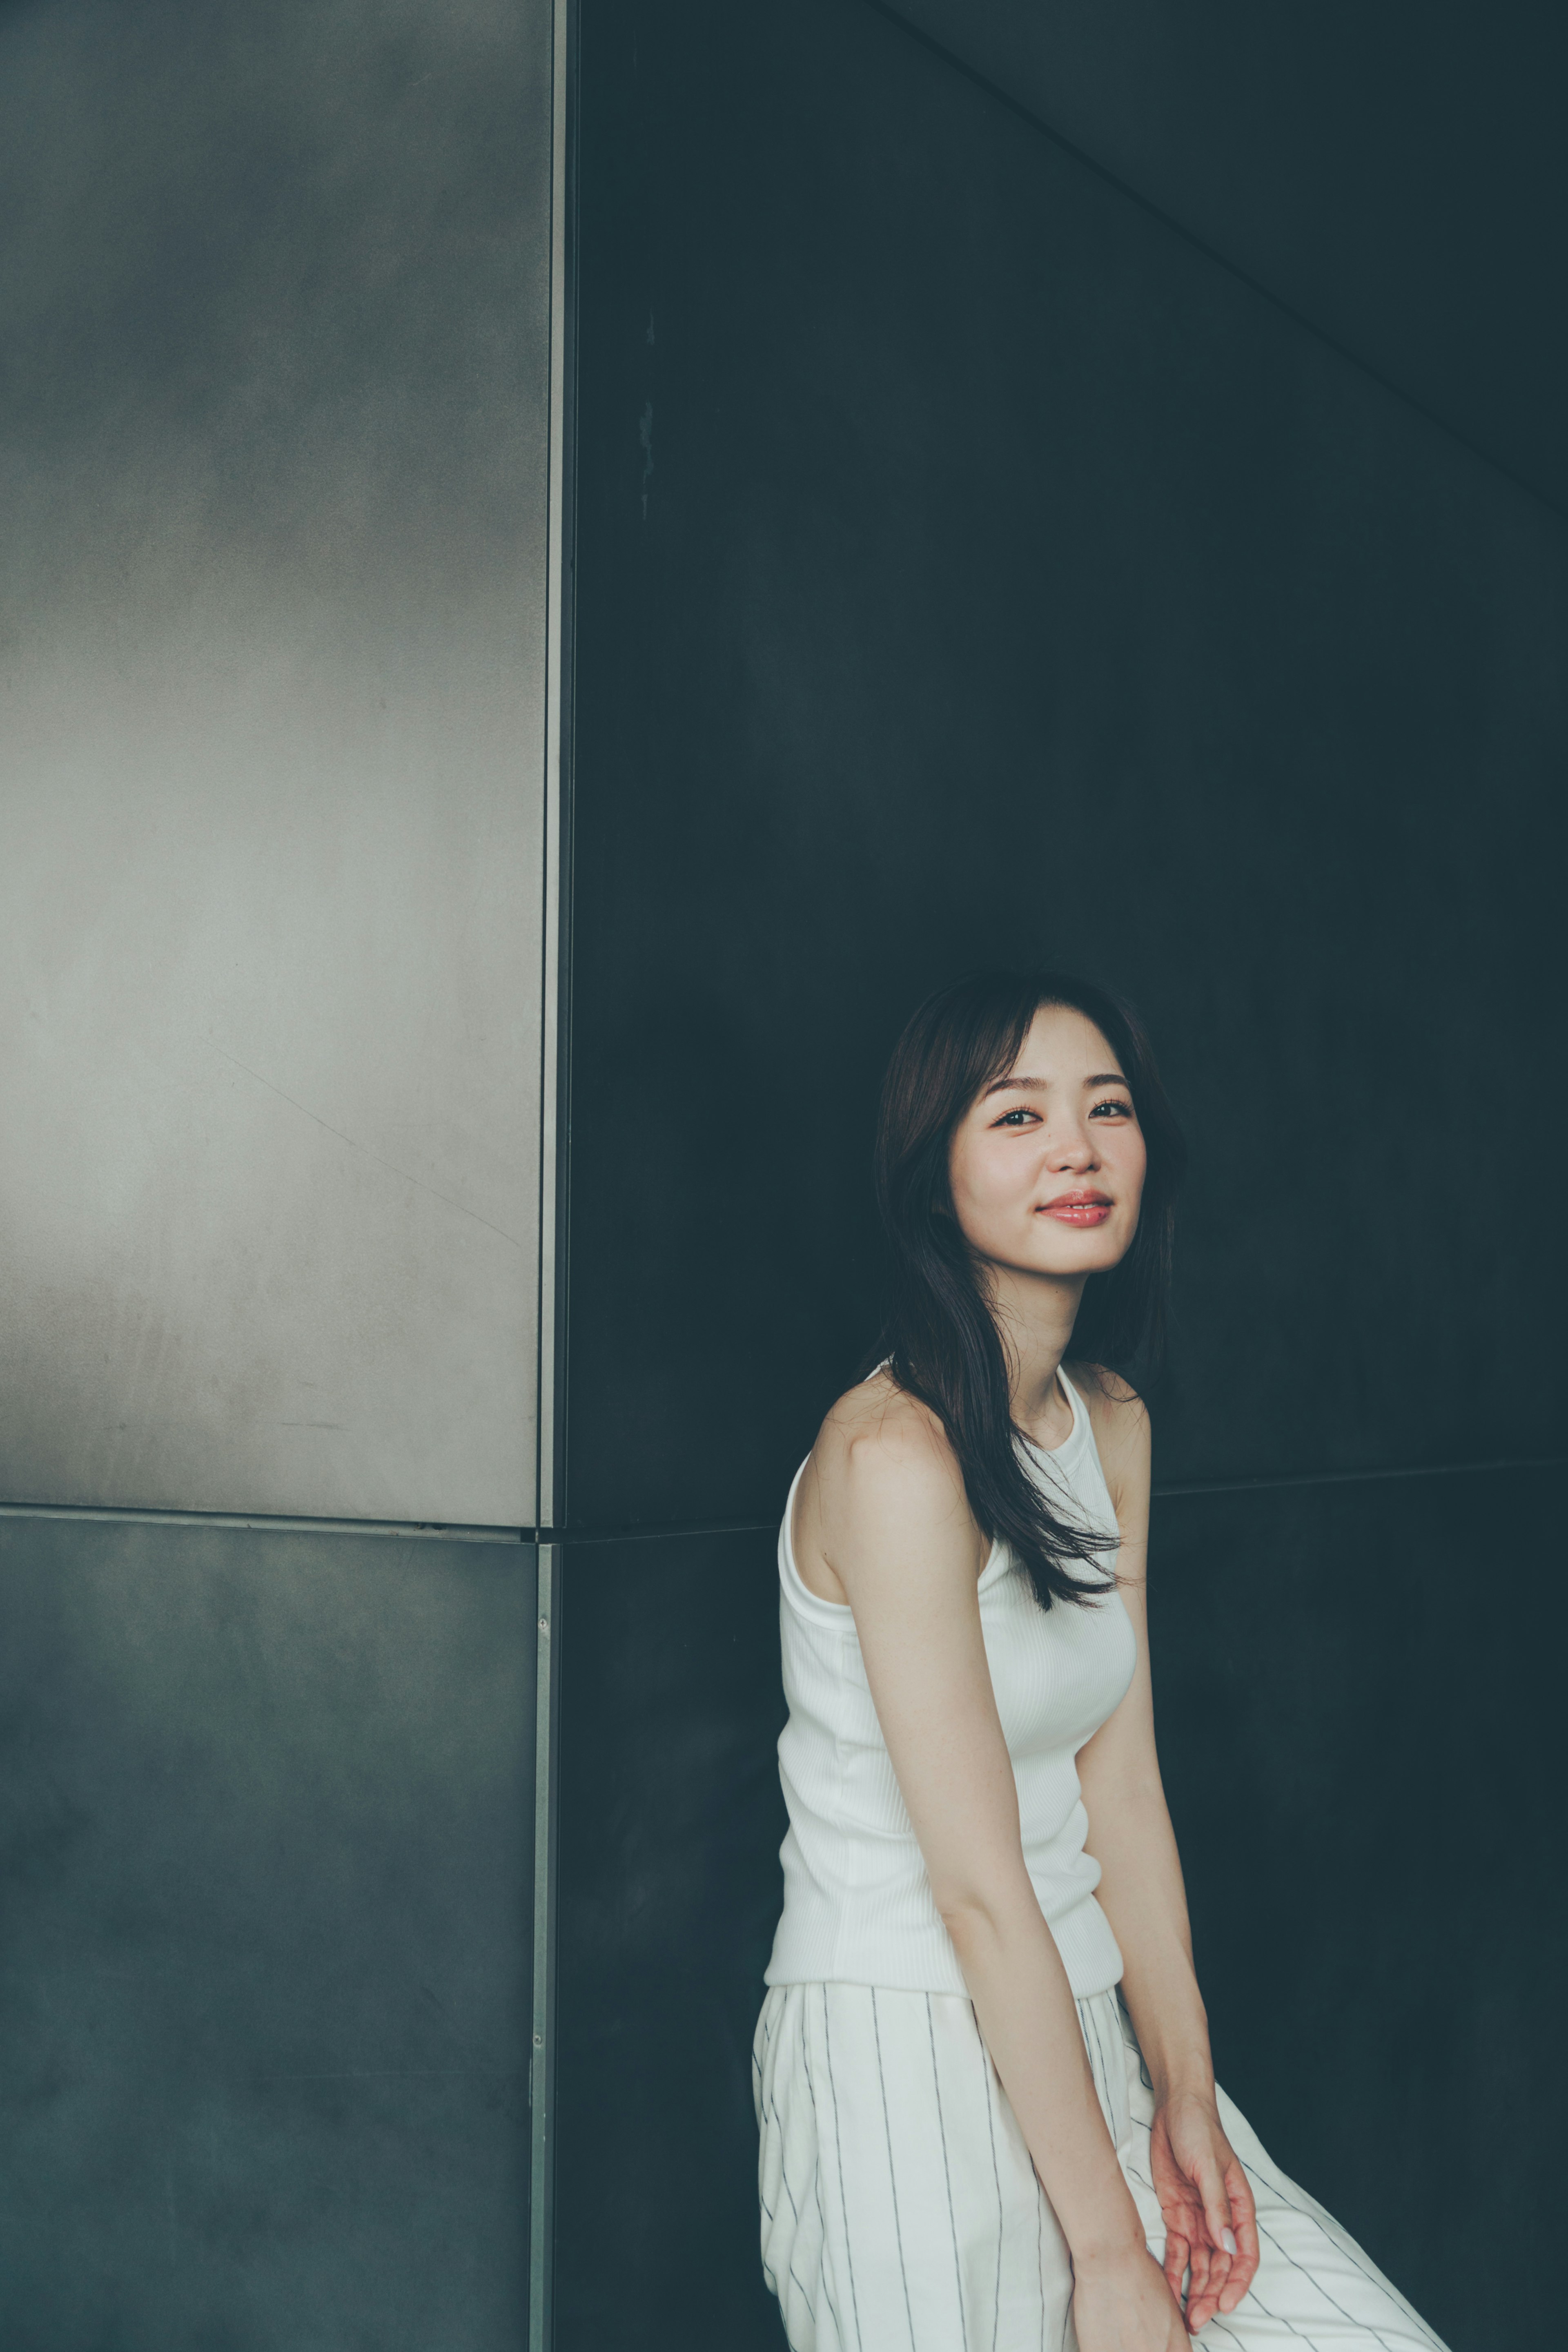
(554, 1059)
(541, 2054)
(554, 1065)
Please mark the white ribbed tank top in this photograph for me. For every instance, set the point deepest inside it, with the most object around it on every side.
(858, 1907)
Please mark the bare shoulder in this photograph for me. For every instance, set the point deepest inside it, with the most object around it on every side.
(882, 1482)
(878, 1438)
(1120, 1420)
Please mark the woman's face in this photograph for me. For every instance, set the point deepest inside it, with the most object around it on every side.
(1047, 1167)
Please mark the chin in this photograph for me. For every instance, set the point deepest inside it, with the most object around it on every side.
(1093, 1254)
(1059, 1265)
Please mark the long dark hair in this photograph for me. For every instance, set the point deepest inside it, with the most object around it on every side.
(940, 1341)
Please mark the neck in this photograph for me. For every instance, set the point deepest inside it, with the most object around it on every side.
(1035, 1314)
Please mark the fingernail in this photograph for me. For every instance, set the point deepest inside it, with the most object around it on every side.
(1228, 2239)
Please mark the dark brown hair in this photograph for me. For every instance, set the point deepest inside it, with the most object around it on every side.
(940, 1341)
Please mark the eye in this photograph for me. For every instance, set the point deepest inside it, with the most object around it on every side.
(1111, 1107)
(1022, 1117)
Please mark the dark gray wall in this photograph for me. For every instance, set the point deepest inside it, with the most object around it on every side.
(1014, 581)
(266, 1857)
(971, 568)
(669, 1828)
(1393, 174)
(1363, 1747)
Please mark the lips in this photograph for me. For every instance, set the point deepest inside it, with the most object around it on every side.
(1077, 1209)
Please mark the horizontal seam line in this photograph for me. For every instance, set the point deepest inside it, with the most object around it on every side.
(1026, 113)
(433, 1531)
(567, 1535)
(1359, 1477)
(592, 1535)
(265, 1522)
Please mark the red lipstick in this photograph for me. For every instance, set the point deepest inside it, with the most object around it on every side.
(1077, 1207)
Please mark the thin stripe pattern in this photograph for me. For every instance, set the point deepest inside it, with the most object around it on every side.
(900, 2212)
(946, 2171)
(891, 2174)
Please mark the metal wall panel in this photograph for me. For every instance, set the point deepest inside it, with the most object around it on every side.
(273, 456)
(894, 635)
(266, 1855)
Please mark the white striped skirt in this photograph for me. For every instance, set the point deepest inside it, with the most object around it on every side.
(901, 2212)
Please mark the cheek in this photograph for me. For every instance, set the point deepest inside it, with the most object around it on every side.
(981, 1179)
(1132, 1162)
(997, 1177)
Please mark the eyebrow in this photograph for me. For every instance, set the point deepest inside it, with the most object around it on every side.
(1038, 1085)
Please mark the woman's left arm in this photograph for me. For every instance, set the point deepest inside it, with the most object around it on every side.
(1210, 2227)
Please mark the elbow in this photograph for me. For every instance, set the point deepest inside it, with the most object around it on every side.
(978, 1917)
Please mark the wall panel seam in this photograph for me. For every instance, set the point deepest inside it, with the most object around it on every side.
(1222, 261)
(541, 2054)
(673, 1530)
(554, 1148)
(555, 1042)
(1358, 1477)
(263, 1523)
(628, 1532)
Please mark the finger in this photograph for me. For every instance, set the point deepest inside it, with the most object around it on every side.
(1202, 2305)
(1178, 2253)
(1215, 2230)
(1244, 2218)
(1197, 2289)
(1201, 2309)
(1213, 2188)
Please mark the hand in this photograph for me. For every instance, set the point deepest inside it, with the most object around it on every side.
(1211, 2227)
(1124, 2304)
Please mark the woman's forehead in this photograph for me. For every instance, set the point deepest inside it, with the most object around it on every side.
(1062, 1041)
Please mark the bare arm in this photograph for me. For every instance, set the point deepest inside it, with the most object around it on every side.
(1129, 1833)
(1203, 2191)
(890, 1515)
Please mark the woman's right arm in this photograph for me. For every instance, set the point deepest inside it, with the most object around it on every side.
(893, 1523)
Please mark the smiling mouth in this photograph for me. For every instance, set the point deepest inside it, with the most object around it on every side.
(1077, 1209)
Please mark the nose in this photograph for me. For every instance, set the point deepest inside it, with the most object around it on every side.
(1071, 1152)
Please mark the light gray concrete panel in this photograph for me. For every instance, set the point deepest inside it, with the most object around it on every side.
(274, 455)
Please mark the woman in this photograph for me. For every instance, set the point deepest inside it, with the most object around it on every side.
(988, 2112)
